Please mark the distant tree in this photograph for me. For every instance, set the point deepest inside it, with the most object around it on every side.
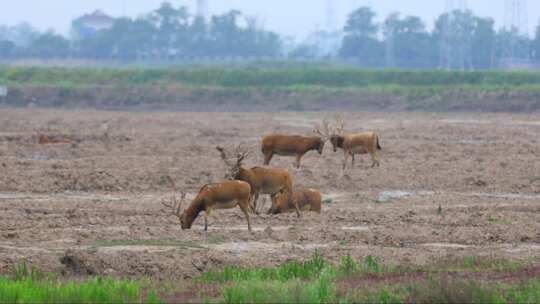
(360, 39)
(228, 38)
(21, 34)
(483, 43)
(511, 44)
(131, 38)
(454, 33)
(535, 45)
(171, 29)
(361, 23)
(304, 51)
(411, 43)
(7, 49)
(49, 45)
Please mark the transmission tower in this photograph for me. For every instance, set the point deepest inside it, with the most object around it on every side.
(455, 48)
(517, 23)
(330, 15)
(516, 16)
(202, 9)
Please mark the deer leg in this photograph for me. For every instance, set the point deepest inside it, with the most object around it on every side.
(298, 214)
(206, 215)
(298, 160)
(267, 158)
(346, 159)
(374, 159)
(245, 206)
(352, 154)
(254, 206)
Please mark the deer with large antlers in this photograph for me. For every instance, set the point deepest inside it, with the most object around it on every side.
(263, 180)
(355, 143)
(294, 145)
(225, 195)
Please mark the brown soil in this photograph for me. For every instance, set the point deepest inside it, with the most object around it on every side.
(91, 205)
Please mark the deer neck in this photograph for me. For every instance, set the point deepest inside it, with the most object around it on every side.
(245, 175)
(193, 212)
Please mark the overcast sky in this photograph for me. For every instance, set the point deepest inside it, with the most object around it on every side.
(293, 17)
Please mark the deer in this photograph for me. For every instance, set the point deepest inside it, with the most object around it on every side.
(263, 180)
(355, 143)
(293, 145)
(224, 195)
(305, 199)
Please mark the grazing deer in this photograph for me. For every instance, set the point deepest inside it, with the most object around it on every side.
(293, 145)
(359, 143)
(225, 195)
(263, 180)
(304, 199)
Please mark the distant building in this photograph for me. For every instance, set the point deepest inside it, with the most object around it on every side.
(89, 25)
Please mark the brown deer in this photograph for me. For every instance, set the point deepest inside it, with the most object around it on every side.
(263, 180)
(359, 143)
(293, 145)
(304, 199)
(225, 195)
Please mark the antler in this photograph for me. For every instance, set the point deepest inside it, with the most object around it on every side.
(325, 133)
(241, 154)
(176, 205)
(224, 156)
(340, 125)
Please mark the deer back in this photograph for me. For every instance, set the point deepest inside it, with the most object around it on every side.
(271, 180)
(289, 144)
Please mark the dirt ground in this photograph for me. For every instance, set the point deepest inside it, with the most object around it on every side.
(449, 186)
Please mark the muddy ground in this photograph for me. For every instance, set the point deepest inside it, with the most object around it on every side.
(449, 186)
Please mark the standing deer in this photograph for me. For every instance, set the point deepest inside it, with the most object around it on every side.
(358, 143)
(263, 180)
(293, 145)
(225, 195)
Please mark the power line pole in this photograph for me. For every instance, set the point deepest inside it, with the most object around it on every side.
(517, 24)
(454, 52)
(330, 15)
(202, 9)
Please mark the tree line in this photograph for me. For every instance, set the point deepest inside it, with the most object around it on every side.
(458, 40)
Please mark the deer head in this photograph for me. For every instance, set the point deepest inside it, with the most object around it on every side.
(337, 135)
(234, 163)
(175, 207)
(324, 132)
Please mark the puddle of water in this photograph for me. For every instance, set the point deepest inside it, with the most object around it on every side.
(386, 196)
(465, 121)
(241, 247)
(446, 245)
(21, 196)
(500, 195)
(524, 247)
(245, 228)
(357, 228)
(137, 248)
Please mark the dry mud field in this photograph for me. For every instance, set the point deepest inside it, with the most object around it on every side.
(449, 186)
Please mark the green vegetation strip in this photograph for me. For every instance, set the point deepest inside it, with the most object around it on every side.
(34, 287)
(317, 281)
(266, 77)
(470, 280)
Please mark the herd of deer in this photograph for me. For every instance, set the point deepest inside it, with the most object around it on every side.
(243, 186)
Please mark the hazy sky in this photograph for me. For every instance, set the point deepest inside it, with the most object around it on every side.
(295, 17)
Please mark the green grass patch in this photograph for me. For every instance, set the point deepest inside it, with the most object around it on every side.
(29, 285)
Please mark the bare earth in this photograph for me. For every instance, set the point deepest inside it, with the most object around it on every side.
(449, 186)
